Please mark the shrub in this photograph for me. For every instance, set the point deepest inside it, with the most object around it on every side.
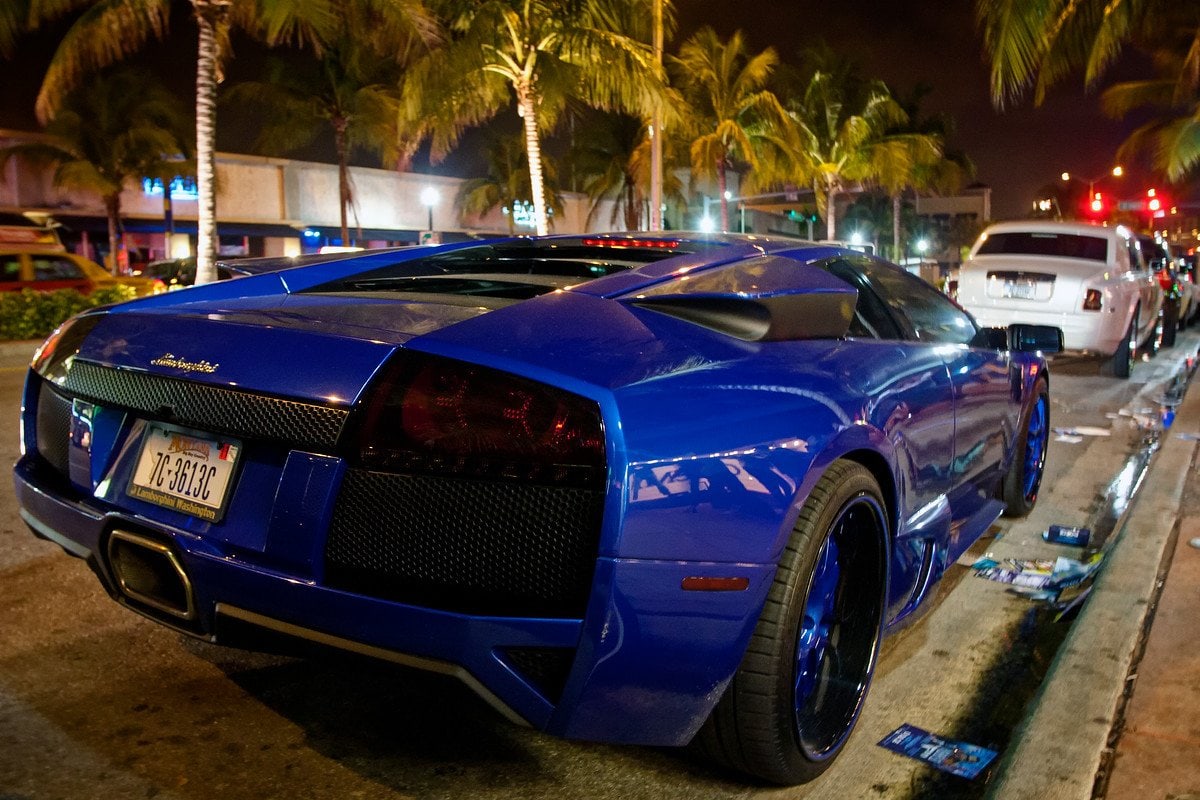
(33, 315)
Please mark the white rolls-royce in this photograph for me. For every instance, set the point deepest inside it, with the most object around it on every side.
(1085, 279)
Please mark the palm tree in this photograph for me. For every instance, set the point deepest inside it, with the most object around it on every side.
(108, 31)
(845, 138)
(1172, 136)
(118, 127)
(730, 114)
(507, 183)
(350, 89)
(1035, 44)
(540, 52)
(612, 153)
(929, 167)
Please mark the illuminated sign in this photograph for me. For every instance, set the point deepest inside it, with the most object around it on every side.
(522, 214)
(181, 188)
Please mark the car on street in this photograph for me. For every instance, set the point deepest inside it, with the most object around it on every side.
(1179, 294)
(51, 270)
(636, 488)
(1088, 280)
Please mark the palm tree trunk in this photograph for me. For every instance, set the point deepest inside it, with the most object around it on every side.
(212, 16)
(112, 209)
(339, 144)
(831, 211)
(722, 182)
(533, 149)
(896, 227)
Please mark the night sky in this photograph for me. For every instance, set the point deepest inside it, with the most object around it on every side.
(903, 42)
(906, 42)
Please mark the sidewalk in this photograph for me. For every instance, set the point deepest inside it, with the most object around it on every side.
(1066, 739)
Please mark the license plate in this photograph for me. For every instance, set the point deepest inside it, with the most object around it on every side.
(1022, 291)
(186, 471)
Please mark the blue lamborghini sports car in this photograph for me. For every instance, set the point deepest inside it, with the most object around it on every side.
(633, 488)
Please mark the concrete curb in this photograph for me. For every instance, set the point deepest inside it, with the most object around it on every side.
(1058, 747)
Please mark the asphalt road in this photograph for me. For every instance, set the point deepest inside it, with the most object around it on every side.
(96, 702)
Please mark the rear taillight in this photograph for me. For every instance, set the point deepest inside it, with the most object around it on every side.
(1093, 300)
(428, 414)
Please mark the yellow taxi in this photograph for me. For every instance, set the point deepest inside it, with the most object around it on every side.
(50, 270)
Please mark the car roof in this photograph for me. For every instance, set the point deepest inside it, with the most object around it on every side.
(1056, 226)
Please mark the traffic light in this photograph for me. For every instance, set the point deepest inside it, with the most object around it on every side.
(1154, 204)
(1097, 206)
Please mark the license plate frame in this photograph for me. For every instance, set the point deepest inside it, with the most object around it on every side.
(172, 470)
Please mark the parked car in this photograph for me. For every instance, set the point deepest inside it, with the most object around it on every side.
(50, 270)
(1179, 295)
(179, 273)
(1086, 279)
(620, 484)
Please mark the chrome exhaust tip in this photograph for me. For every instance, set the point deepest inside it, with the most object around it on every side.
(149, 572)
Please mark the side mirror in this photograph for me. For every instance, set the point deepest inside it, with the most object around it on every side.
(1032, 338)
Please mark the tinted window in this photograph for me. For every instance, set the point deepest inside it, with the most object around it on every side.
(1028, 243)
(931, 315)
(10, 268)
(48, 268)
(871, 318)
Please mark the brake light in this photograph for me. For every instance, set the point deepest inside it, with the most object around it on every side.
(660, 244)
(436, 415)
(1093, 300)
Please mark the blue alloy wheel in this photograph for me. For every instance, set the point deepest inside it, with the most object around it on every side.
(835, 645)
(1035, 448)
(804, 678)
(1023, 480)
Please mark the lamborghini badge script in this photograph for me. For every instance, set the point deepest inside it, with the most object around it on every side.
(172, 360)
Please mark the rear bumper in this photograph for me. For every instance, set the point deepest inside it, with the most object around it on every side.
(1099, 332)
(647, 663)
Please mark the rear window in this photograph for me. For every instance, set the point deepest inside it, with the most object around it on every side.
(1064, 245)
(516, 270)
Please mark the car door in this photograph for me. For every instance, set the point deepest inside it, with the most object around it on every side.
(986, 409)
(910, 399)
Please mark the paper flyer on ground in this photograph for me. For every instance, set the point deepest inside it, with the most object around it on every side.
(957, 758)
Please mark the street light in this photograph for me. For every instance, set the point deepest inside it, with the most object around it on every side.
(429, 199)
(1116, 172)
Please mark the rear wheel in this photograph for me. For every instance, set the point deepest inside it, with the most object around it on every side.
(1024, 477)
(1170, 322)
(1121, 363)
(801, 685)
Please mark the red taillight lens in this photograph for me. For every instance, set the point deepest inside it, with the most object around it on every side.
(432, 414)
(1093, 300)
(653, 244)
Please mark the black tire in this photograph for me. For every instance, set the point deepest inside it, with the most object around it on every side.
(765, 724)
(1121, 363)
(1023, 480)
(1170, 323)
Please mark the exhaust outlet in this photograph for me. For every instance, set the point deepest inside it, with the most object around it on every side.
(150, 573)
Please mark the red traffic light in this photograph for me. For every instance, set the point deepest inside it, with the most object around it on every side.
(1155, 204)
(1097, 205)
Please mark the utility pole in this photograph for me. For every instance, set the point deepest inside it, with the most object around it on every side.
(656, 153)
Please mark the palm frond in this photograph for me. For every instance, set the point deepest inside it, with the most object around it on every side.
(107, 32)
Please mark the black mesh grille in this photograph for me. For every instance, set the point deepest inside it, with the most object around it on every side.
(53, 430)
(546, 668)
(211, 408)
(478, 547)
